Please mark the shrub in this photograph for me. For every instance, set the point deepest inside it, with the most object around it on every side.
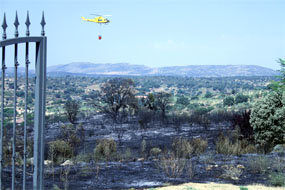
(259, 164)
(182, 148)
(277, 179)
(268, 120)
(241, 120)
(240, 98)
(229, 101)
(106, 149)
(208, 94)
(59, 151)
(84, 158)
(231, 172)
(155, 151)
(199, 145)
(278, 164)
(202, 110)
(226, 146)
(126, 155)
(68, 134)
(182, 100)
(174, 166)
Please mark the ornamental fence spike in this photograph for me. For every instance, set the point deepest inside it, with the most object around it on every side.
(28, 23)
(16, 23)
(4, 26)
(43, 23)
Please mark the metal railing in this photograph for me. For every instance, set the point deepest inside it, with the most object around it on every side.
(40, 97)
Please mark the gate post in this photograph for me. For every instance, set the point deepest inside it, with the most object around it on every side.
(39, 121)
(39, 107)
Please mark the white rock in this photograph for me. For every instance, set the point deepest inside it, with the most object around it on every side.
(67, 163)
(47, 162)
(30, 161)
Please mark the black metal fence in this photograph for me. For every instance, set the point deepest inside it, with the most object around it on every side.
(39, 103)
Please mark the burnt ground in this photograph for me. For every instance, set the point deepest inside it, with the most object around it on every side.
(138, 173)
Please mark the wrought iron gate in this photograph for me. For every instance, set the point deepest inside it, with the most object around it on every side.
(39, 109)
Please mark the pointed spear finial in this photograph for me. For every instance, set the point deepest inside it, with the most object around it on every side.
(16, 23)
(4, 26)
(43, 23)
(28, 23)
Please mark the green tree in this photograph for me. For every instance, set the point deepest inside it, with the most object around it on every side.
(162, 102)
(268, 115)
(240, 98)
(229, 101)
(279, 86)
(117, 96)
(268, 120)
(149, 102)
(182, 100)
(71, 108)
(208, 94)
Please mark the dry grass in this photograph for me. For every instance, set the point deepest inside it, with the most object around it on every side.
(216, 186)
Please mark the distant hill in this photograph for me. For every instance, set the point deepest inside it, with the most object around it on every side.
(141, 70)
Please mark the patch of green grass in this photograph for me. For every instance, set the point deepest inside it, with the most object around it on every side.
(277, 179)
(243, 188)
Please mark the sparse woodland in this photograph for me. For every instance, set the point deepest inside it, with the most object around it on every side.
(159, 129)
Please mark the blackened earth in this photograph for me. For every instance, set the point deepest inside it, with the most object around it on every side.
(137, 173)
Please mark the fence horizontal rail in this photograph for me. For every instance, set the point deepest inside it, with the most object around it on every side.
(14, 41)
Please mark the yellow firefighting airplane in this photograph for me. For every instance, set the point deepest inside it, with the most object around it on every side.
(99, 19)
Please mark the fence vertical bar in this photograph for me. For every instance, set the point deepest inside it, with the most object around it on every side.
(26, 102)
(4, 26)
(16, 23)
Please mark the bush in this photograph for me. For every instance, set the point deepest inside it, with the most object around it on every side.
(202, 110)
(208, 95)
(240, 98)
(182, 148)
(126, 155)
(277, 179)
(174, 166)
(83, 158)
(199, 145)
(229, 101)
(106, 149)
(259, 164)
(226, 146)
(155, 151)
(231, 172)
(241, 120)
(268, 121)
(59, 151)
(182, 100)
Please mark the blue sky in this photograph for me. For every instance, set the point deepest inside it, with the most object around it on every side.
(158, 33)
